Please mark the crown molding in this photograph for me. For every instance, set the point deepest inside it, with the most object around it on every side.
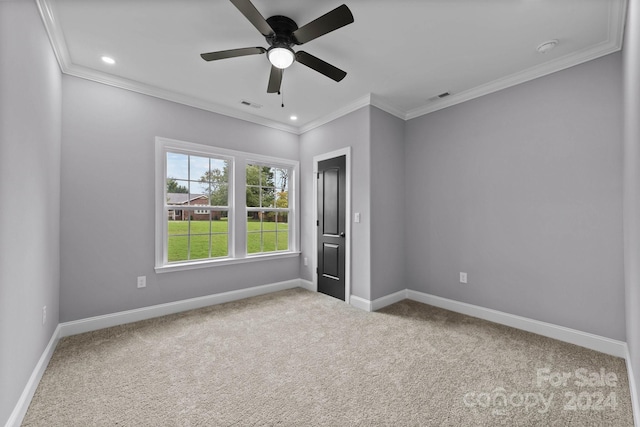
(515, 79)
(353, 106)
(617, 13)
(135, 86)
(376, 101)
(58, 42)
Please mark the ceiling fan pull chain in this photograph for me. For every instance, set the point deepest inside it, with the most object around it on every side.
(282, 95)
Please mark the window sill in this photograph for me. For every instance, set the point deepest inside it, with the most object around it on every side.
(226, 261)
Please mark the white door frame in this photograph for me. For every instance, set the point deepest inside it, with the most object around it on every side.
(347, 217)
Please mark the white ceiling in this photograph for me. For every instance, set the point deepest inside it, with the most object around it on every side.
(398, 53)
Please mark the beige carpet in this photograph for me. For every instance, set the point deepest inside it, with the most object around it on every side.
(297, 358)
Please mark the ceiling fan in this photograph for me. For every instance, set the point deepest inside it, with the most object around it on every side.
(281, 34)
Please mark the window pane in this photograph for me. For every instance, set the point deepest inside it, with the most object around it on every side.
(217, 182)
(269, 221)
(268, 197)
(177, 166)
(282, 224)
(202, 234)
(199, 192)
(268, 177)
(282, 199)
(268, 241)
(199, 168)
(177, 186)
(178, 226)
(281, 179)
(267, 231)
(219, 165)
(219, 194)
(283, 240)
(177, 248)
(219, 222)
(219, 245)
(253, 175)
(254, 243)
(253, 221)
(200, 223)
(253, 197)
(199, 246)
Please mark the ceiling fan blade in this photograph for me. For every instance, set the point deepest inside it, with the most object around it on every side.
(251, 13)
(275, 80)
(320, 66)
(337, 18)
(232, 53)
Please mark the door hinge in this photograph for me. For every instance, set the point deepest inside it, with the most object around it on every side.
(317, 175)
(317, 223)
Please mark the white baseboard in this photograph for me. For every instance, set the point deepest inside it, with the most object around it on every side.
(20, 410)
(377, 304)
(129, 316)
(393, 298)
(361, 303)
(561, 333)
(633, 390)
(307, 284)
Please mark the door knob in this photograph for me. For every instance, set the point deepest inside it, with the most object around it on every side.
(342, 234)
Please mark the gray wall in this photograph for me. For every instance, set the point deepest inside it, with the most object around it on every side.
(108, 195)
(30, 119)
(352, 131)
(522, 189)
(632, 183)
(387, 204)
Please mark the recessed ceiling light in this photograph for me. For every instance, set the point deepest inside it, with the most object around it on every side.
(547, 46)
(294, 118)
(108, 60)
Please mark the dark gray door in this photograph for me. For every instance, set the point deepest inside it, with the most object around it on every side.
(331, 226)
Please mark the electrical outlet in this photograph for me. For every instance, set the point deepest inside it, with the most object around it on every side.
(305, 261)
(463, 277)
(44, 314)
(142, 281)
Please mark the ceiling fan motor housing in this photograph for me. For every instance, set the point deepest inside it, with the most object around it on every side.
(283, 28)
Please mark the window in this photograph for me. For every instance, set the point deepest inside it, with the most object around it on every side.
(217, 206)
(200, 186)
(267, 208)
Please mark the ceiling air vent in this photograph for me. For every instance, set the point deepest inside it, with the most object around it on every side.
(250, 104)
(437, 97)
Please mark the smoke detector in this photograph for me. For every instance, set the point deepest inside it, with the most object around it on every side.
(547, 46)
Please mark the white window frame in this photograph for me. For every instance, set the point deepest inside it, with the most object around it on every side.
(237, 209)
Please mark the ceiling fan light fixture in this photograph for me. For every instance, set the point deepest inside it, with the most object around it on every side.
(281, 57)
